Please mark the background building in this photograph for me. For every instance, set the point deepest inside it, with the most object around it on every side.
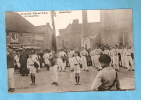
(21, 33)
(70, 37)
(114, 28)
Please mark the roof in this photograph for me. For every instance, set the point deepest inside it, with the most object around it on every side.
(15, 22)
(71, 29)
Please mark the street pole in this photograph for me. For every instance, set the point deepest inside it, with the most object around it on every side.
(123, 39)
(53, 14)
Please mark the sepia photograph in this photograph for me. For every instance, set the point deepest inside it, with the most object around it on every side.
(69, 51)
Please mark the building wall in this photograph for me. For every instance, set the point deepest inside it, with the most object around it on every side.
(70, 37)
(69, 41)
(48, 38)
(116, 26)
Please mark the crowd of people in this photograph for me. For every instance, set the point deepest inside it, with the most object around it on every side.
(99, 57)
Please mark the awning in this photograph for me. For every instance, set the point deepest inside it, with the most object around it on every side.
(31, 47)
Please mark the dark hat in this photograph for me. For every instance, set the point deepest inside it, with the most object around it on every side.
(76, 52)
(30, 53)
(105, 59)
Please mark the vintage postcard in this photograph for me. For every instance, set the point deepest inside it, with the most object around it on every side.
(70, 51)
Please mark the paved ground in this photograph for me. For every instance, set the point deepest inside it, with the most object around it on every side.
(66, 81)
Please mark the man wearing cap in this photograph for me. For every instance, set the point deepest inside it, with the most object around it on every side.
(63, 55)
(92, 54)
(128, 59)
(83, 54)
(106, 51)
(107, 79)
(54, 69)
(10, 66)
(77, 61)
(122, 56)
(111, 56)
(70, 55)
(98, 52)
(46, 57)
(115, 52)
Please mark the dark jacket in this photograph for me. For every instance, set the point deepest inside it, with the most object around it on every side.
(23, 59)
(10, 61)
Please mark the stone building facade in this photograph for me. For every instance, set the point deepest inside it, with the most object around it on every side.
(21, 33)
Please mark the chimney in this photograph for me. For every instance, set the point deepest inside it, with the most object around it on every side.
(47, 24)
(84, 16)
(75, 21)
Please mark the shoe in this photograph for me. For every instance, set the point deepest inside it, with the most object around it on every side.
(132, 69)
(79, 84)
(98, 70)
(87, 70)
(9, 89)
(75, 84)
(129, 70)
(12, 90)
(56, 83)
(53, 83)
(34, 84)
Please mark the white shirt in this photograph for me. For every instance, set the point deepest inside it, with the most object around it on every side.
(77, 60)
(83, 53)
(92, 53)
(16, 58)
(128, 52)
(98, 51)
(70, 54)
(35, 56)
(106, 52)
(62, 53)
(46, 57)
(115, 51)
(30, 61)
(122, 51)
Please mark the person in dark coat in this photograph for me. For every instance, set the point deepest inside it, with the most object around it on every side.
(10, 69)
(89, 61)
(40, 54)
(23, 61)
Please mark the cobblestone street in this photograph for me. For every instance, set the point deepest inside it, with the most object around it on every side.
(66, 81)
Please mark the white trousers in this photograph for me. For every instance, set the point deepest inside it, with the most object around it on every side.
(61, 64)
(123, 60)
(11, 77)
(54, 70)
(111, 60)
(92, 58)
(129, 59)
(97, 63)
(71, 63)
(84, 63)
(116, 62)
(39, 65)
